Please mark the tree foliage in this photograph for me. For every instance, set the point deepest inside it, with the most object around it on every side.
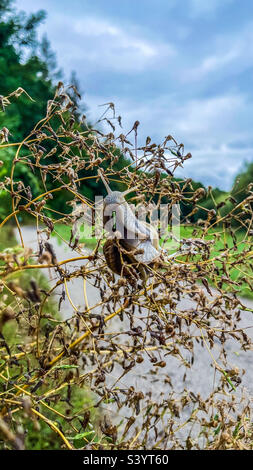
(243, 182)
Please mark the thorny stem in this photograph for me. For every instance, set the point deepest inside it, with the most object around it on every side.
(155, 321)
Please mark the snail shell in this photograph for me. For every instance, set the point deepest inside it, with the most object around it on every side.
(121, 260)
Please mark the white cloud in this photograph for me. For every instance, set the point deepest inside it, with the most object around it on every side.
(230, 53)
(210, 128)
(177, 82)
(94, 27)
(217, 165)
(104, 45)
(110, 45)
(198, 122)
(100, 43)
(210, 119)
(213, 63)
(207, 7)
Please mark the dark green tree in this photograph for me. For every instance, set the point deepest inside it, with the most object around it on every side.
(243, 182)
(24, 62)
(30, 64)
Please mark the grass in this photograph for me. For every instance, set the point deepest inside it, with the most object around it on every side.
(45, 438)
(63, 232)
(223, 241)
(7, 238)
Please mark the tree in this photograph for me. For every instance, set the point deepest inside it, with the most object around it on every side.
(28, 63)
(24, 62)
(242, 181)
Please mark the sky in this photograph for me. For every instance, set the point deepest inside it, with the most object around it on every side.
(180, 67)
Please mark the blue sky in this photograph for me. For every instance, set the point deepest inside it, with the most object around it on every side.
(180, 67)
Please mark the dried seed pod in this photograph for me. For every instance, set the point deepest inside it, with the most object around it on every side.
(120, 259)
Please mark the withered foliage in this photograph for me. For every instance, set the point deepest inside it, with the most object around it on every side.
(137, 345)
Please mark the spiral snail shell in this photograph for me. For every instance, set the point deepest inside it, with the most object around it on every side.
(133, 245)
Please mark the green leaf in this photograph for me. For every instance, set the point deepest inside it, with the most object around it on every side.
(217, 430)
(228, 380)
(65, 366)
(237, 429)
(83, 435)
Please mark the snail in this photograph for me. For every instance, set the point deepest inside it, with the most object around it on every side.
(133, 245)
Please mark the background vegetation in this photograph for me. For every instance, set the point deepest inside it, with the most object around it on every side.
(56, 374)
(29, 63)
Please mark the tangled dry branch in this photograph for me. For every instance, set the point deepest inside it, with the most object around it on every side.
(147, 328)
